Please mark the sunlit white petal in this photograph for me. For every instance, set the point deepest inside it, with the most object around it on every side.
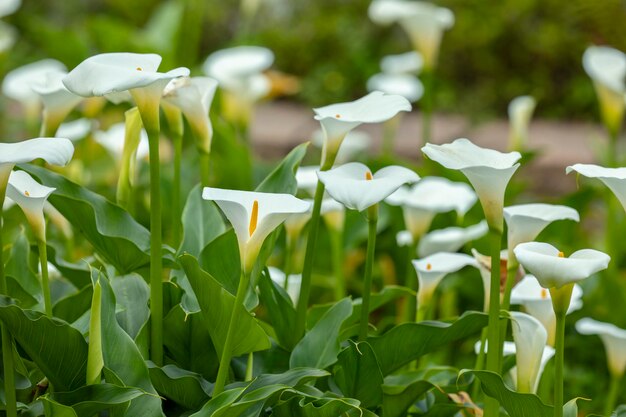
(432, 269)
(526, 221)
(614, 178)
(31, 197)
(450, 239)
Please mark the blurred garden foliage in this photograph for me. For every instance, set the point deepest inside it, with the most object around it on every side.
(496, 50)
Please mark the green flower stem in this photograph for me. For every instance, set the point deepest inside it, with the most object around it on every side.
(411, 283)
(156, 278)
(493, 330)
(336, 242)
(611, 398)
(224, 368)
(305, 286)
(45, 283)
(420, 315)
(7, 339)
(205, 168)
(480, 363)
(511, 272)
(427, 105)
(177, 140)
(372, 221)
(561, 298)
(288, 264)
(250, 366)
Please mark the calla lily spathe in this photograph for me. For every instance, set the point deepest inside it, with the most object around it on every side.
(55, 151)
(339, 119)
(520, 112)
(606, 67)
(614, 178)
(525, 221)
(405, 85)
(537, 301)
(488, 170)
(422, 201)
(450, 239)
(432, 269)
(614, 340)
(254, 216)
(357, 188)
(57, 101)
(406, 63)
(31, 197)
(553, 270)
(113, 140)
(193, 96)
(75, 130)
(530, 341)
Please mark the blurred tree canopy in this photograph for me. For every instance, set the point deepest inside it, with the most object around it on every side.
(496, 50)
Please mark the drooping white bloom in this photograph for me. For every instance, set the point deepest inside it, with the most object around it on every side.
(254, 216)
(193, 96)
(113, 139)
(357, 188)
(31, 197)
(553, 270)
(450, 239)
(422, 201)
(293, 286)
(406, 63)
(74, 130)
(18, 83)
(432, 269)
(614, 340)
(537, 301)
(488, 170)
(55, 151)
(520, 112)
(339, 119)
(405, 85)
(57, 101)
(614, 178)
(606, 67)
(530, 341)
(424, 23)
(526, 221)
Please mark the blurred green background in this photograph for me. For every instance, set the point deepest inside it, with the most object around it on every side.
(497, 49)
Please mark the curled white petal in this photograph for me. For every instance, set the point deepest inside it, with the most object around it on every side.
(614, 340)
(432, 269)
(18, 83)
(614, 178)
(526, 221)
(450, 239)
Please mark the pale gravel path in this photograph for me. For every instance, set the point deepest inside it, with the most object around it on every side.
(279, 127)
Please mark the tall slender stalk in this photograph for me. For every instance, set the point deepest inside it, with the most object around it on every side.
(224, 367)
(493, 330)
(156, 279)
(411, 282)
(177, 140)
(511, 272)
(611, 398)
(205, 168)
(336, 243)
(561, 298)
(480, 362)
(7, 339)
(372, 221)
(45, 283)
(311, 243)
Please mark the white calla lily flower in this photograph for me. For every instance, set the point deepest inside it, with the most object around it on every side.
(357, 188)
(614, 340)
(450, 239)
(553, 270)
(293, 284)
(8, 7)
(31, 197)
(537, 301)
(520, 112)
(75, 130)
(488, 170)
(530, 338)
(607, 69)
(193, 96)
(17, 84)
(338, 120)
(432, 269)
(404, 238)
(254, 215)
(55, 151)
(113, 139)
(526, 221)
(405, 85)
(57, 101)
(406, 63)
(614, 178)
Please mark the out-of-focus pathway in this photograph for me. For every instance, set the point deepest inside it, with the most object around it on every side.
(279, 127)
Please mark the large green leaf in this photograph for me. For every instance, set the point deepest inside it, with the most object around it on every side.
(18, 267)
(281, 311)
(187, 341)
(220, 258)
(283, 178)
(88, 400)
(298, 404)
(516, 404)
(110, 229)
(132, 295)
(122, 360)
(58, 350)
(73, 306)
(217, 304)
(181, 386)
(202, 222)
(409, 341)
(358, 375)
(320, 346)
